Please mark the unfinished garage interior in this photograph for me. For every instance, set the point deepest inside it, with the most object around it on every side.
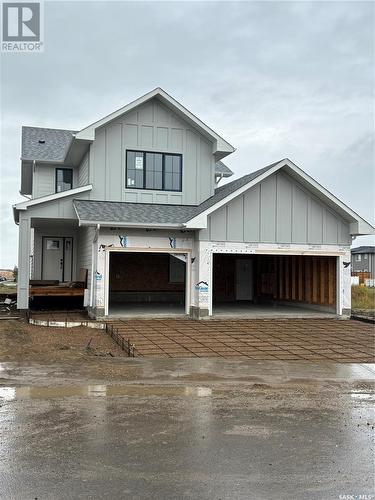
(142, 283)
(264, 284)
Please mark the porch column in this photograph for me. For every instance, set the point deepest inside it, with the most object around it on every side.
(202, 286)
(346, 286)
(24, 251)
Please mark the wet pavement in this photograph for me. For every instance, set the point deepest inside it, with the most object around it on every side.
(188, 429)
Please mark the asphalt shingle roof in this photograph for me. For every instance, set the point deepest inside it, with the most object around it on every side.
(143, 213)
(54, 148)
(363, 249)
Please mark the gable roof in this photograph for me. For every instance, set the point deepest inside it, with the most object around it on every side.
(45, 144)
(222, 147)
(56, 143)
(363, 249)
(358, 226)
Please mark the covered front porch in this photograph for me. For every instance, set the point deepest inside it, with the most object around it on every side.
(57, 265)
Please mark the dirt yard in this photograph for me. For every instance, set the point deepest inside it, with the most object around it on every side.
(20, 341)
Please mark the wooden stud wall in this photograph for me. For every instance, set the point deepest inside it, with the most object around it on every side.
(297, 278)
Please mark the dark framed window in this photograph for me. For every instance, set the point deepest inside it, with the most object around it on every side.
(157, 171)
(64, 179)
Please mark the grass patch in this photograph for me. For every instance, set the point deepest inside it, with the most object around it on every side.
(8, 289)
(363, 298)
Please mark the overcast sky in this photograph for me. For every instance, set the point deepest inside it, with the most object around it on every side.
(276, 79)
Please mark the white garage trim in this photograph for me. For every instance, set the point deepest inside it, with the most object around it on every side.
(184, 251)
(342, 254)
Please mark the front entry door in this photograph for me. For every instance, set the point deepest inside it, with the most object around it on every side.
(57, 258)
(244, 279)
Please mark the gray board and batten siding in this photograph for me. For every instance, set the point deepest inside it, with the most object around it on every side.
(277, 210)
(151, 127)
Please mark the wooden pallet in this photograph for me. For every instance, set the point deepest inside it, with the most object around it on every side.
(55, 291)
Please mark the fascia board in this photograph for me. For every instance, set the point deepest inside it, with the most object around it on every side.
(24, 205)
(134, 225)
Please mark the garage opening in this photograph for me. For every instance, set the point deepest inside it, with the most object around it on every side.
(285, 285)
(146, 284)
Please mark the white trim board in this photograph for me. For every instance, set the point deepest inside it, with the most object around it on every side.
(51, 197)
(170, 251)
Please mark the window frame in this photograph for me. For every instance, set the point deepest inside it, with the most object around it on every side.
(163, 154)
(63, 168)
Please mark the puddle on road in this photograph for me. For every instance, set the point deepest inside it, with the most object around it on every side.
(40, 392)
(362, 395)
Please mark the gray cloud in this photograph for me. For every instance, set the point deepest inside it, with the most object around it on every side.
(275, 79)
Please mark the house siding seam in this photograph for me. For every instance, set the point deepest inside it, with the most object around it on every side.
(84, 251)
(83, 171)
(43, 180)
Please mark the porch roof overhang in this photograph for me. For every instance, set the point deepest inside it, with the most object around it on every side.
(134, 215)
(25, 205)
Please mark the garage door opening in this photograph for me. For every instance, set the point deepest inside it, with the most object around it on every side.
(274, 285)
(146, 284)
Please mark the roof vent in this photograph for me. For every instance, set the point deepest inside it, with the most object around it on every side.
(42, 141)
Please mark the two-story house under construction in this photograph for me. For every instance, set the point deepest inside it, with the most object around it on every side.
(130, 207)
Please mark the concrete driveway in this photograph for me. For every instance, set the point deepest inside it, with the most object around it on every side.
(289, 339)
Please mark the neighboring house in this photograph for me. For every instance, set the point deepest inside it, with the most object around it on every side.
(134, 199)
(363, 260)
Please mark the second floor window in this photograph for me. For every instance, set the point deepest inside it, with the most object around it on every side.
(159, 171)
(64, 179)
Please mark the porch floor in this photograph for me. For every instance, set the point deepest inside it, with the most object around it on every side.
(65, 319)
(60, 315)
(128, 310)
